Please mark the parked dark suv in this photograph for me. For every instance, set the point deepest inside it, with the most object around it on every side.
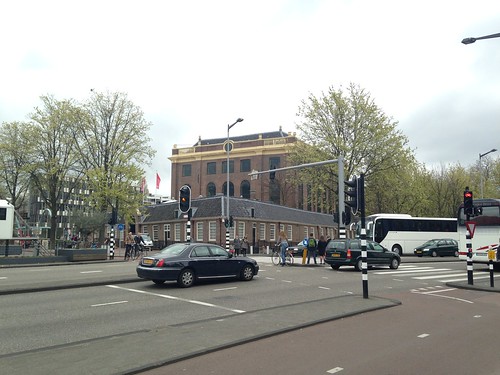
(347, 252)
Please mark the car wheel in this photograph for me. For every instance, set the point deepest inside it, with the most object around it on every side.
(397, 249)
(159, 282)
(434, 253)
(394, 263)
(335, 266)
(186, 278)
(246, 273)
(359, 265)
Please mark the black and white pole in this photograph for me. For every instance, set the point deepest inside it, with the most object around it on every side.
(112, 242)
(470, 267)
(188, 227)
(227, 239)
(492, 277)
(364, 253)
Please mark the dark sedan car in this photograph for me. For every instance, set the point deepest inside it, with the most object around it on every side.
(347, 252)
(441, 247)
(187, 262)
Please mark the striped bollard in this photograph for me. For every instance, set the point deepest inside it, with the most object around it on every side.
(112, 243)
(470, 267)
(364, 263)
(188, 231)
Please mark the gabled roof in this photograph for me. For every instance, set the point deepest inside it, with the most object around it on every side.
(240, 208)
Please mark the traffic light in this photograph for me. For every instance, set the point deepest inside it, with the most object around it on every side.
(468, 202)
(346, 216)
(185, 199)
(231, 222)
(226, 222)
(353, 193)
(272, 175)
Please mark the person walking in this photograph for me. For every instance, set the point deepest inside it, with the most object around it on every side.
(311, 248)
(283, 244)
(237, 245)
(322, 249)
(244, 246)
(129, 241)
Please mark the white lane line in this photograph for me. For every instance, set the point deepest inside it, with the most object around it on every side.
(335, 370)
(286, 281)
(109, 303)
(176, 298)
(433, 294)
(465, 279)
(323, 287)
(91, 272)
(438, 291)
(3, 278)
(438, 276)
(224, 289)
(420, 270)
(423, 335)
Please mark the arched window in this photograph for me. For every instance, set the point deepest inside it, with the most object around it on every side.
(245, 189)
(211, 189)
(231, 189)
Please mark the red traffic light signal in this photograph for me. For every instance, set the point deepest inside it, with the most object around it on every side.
(468, 202)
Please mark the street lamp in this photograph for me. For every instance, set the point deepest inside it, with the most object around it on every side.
(228, 149)
(481, 167)
(472, 40)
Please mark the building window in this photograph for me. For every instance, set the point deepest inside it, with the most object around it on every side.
(262, 231)
(289, 232)
(155, 232)
(212, 231)
(166, 232)
(274, 162)
(245, 165)
(274, 192)
(231, 189)
(186, 170)
(177, 232)
(231, 166)
(241, 229)
(272, 232)
(212, 168)
(245, 189)
(145, 229)
(199, 231)
(306, 232)
(211, 189)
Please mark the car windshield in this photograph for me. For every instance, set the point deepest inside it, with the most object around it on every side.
(146, 237)
(430, 243)
(173, 250)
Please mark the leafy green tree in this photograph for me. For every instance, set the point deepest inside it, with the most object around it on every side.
(114, 148)
(347, 122)
(52, 161)
(14, 147)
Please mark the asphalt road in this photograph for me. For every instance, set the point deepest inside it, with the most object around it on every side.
(90, 314)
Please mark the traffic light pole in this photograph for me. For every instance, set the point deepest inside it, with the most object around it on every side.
(468, 210)
(364, 253)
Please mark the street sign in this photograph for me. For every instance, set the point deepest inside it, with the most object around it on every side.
(471, 227)
(121, 227)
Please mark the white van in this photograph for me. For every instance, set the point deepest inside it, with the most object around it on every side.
(148, 242)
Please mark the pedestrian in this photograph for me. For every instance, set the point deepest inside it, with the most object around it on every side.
(283, 244)
(322, 249)
(129, 241)
(311, 248)
(237, 245)
(244, 246)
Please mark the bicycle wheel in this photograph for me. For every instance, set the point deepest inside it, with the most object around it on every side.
(276, 258)
(133, 253)
(289, 259)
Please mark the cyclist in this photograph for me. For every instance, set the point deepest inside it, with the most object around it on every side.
(283, 244)
(139, 241)
(129, 241)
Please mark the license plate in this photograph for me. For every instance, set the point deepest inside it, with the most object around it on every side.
(147, 262)
(336, 255)
(419, 251)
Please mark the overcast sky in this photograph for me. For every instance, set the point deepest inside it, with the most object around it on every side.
(196, 66)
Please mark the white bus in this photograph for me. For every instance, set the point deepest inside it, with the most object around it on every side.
(401, 233)
(486, 233)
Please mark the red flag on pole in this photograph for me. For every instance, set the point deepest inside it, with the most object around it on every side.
(143, 184)
(158, 180)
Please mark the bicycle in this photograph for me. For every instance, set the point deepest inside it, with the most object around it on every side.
(276, 256)
(137, 252)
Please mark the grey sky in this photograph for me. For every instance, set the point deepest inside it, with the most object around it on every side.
(196, 66)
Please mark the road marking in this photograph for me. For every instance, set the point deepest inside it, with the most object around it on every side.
(223, 289)
(335, 370)
(323, 287)
(423, 335)
(109, 303)
(270, 278)
(286, 281)
(3, 278)
(90, 271)
(420, 270)
(464, 279)
(433, 294)
(438, 276)
(176, 298)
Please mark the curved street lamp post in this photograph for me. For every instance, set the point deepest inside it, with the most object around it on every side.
(228, 149)
(481, 167)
